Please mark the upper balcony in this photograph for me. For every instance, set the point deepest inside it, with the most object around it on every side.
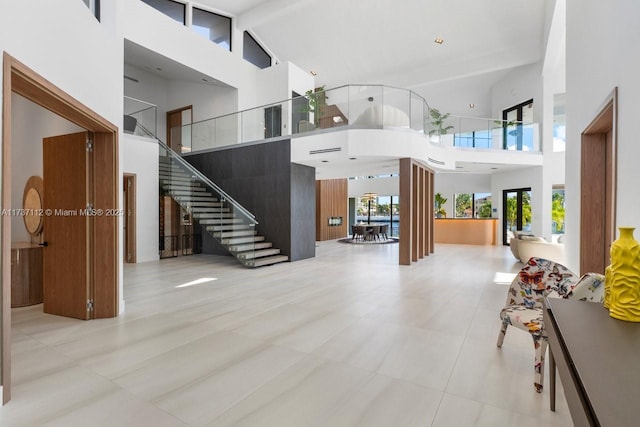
(370, 123)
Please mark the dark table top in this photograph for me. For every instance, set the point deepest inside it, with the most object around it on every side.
(605, 353)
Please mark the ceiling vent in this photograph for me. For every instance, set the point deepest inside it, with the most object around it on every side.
(326, 150)
(437, 162)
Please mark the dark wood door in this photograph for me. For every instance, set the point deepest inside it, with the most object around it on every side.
(66, 226)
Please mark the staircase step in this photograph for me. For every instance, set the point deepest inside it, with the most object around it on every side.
(186, 189)
(237, 233)
(250, 247)
(214, 214)
(266, 261)
(228, 227)
(198, 210)
(202, 205)
(220, 221)
(239, 240)
(190, 195)
(258, 253)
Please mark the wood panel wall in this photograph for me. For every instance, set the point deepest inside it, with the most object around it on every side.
(416, 211)
(331, 201)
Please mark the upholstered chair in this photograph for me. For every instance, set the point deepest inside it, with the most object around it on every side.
(542, 278)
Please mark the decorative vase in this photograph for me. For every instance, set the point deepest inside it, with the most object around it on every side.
(622, 278)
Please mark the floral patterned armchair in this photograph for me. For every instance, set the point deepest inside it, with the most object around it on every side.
(542, 278)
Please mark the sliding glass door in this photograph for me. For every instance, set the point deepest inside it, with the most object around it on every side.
(516, 212)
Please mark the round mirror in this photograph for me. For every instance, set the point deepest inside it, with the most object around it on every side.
(32, 205)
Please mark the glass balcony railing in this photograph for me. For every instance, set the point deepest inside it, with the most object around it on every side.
(471, 132)
(357, 107)
(140, 117)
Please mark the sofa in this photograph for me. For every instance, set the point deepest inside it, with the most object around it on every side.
(525, 246)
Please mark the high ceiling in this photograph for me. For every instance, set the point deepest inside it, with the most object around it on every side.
(392, 43)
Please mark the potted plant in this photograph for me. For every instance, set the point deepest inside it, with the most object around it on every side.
(438, 122)
(440, 211)
(316, 99)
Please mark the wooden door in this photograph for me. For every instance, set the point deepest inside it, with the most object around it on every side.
(66, 177)
(176, 119)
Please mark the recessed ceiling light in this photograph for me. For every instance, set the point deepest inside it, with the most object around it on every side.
(313, 73)
(472, 105)
(458, 167)
(158, 68)
(438, 40)
(494, 168)
(352, 158)
(325, 161)
(205, 80)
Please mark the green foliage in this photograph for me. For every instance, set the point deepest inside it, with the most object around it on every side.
(315, 100)
(438, 122)
(512, 205)
(484, 211)
(463, 206)
(557, 211)
(440, 201)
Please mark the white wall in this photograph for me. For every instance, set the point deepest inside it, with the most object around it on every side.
(141, 158)
(520, 85)
(60, 41)
(521, 178)
(29, 124)
(602, 40)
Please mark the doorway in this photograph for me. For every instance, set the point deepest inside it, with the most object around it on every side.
(129, 217)
(598, 187)
(178, 133)
(514, 120)
(102, 259)
(516, 212)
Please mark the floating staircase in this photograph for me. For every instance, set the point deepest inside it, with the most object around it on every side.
(223, 218)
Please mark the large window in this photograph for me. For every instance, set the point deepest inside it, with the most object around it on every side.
(473, 205)
(172, 9)
(216, 28)
(254, 53)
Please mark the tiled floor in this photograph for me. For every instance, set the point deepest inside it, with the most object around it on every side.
(348, 338)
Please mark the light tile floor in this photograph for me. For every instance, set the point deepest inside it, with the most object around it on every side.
(348, 338)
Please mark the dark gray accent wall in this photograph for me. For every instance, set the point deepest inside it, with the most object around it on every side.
(280, 194)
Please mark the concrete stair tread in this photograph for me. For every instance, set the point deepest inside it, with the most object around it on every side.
(260, 262)
(250, 246)
(242, 240)
(263, 253)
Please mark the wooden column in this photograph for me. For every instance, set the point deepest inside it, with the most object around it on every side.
(406, 208)
(431, 211)
(416, 211)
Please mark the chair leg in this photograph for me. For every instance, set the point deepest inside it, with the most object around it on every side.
(503, 331)
(540, 343)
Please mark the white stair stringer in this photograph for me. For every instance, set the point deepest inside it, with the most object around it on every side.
(216, 216)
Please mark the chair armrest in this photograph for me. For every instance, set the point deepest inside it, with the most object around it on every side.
(590, 287)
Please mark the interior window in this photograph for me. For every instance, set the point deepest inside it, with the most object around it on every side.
(172, 9)
(216, 28)
(254, 53)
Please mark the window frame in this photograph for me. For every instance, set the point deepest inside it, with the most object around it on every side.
(202, 8)
(259, 45)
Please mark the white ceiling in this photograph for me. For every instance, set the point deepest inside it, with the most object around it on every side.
(392, 43)
(377, 41)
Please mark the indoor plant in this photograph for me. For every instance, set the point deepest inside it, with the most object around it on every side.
(440, 211)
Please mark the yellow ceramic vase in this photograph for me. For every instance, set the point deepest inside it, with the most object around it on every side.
(622, 278)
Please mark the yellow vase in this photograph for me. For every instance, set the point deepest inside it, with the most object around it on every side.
(622, 278)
